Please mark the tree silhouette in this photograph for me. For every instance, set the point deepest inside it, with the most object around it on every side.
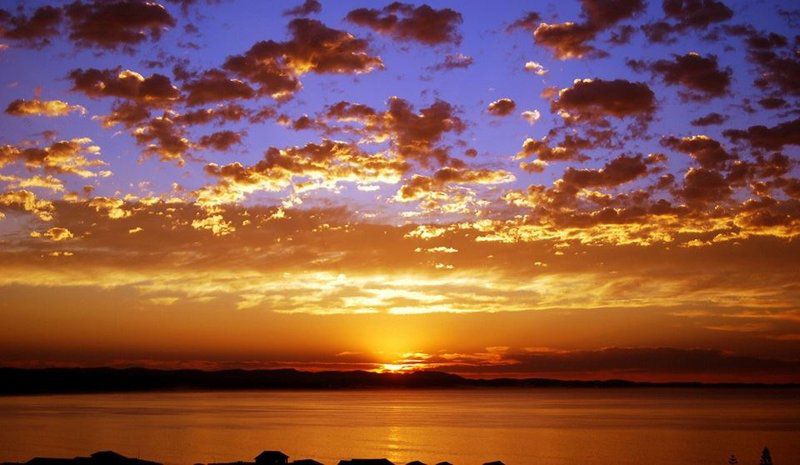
(766, 457)
(732, 460)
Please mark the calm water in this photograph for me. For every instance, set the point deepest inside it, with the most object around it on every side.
(541, 427)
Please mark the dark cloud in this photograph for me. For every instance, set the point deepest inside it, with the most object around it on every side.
(36, 30)
(215, 86)
(711, 119)
(126, 113)
(773, 103)
(308, 7)
(221, 140)
(415, 135)
(223, 113)
(405, 22)
(776, 59)
(681, 15)
(313, 47)
(708, 152)
(604, 13)
(701, 76)
(768, 138)
(701, 185)
(572, 39)
(696, 13)
(155, 90)
(615, 172)
(592, 100)
(663, 363)
(502, 107)
(164, 139)
(419, 187)
(116, 24)
(529, 22)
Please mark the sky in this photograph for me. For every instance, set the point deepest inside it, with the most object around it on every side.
(582, 189)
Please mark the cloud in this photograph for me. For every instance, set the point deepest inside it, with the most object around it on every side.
(457, 61)
(36, 30)
(531, 116)
(768, 138)
(214, 223)
(315, 166)
(222, 113)
(435, 187)
(615, 172)
(702, 185)
(38, 107)
(404, 22)
(572, 39)
(708, 152)
(313, 48)
(156, 90)
(711, 119)
(66, 156)
(569, 149)
(696, 13)
(163, 138)
(26, 200)
(775, 58)
(414, 135)
(116, 24)
(214, 86)
(36, 181)
(535, 68)
(221, 140)
(55, 234)
(633, 363)
(502, 107)
(682, 15)
(566, 40)
(701, 76)
(308, 7)
(592, 100)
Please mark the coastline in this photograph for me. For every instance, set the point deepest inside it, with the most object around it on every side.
(47, 381)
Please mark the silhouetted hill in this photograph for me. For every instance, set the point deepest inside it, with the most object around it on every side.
(92, 380)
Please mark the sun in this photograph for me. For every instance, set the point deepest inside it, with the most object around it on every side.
(396, 368)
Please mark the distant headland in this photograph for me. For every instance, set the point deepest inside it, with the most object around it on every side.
(20, 381)
(268, 457)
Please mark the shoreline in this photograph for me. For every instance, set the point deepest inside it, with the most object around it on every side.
(52, 381)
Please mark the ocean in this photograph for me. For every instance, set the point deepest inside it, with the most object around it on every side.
(639, 426)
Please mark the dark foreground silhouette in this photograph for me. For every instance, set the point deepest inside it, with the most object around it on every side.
(17, 381)
(268, 457)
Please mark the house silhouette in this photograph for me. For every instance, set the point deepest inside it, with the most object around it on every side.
(272, 457)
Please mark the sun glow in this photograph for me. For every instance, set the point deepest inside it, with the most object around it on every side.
(397, 368)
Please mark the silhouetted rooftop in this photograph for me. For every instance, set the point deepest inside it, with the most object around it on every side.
(98, 458)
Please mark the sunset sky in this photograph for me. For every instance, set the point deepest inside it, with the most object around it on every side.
(569, 189)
